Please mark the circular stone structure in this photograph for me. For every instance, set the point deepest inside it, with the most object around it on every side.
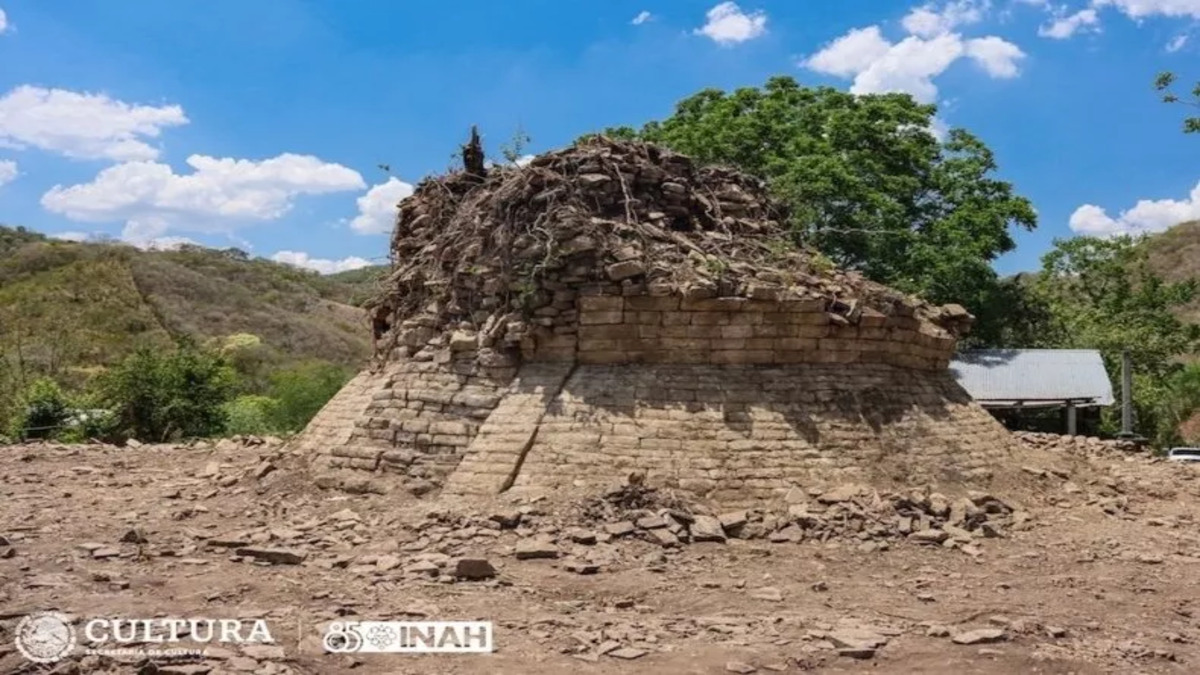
(614, 308)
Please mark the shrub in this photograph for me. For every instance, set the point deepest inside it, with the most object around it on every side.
(302, 390)
(254, 415)
(45, 410)
(251, 358)
(88, 424)
(156, 397)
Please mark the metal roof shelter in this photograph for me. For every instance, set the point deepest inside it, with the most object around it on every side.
(1007, 378)
(1035, 378)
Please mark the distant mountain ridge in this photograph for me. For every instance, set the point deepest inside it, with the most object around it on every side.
(67, 306)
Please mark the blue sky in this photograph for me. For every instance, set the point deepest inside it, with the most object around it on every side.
(262, 124)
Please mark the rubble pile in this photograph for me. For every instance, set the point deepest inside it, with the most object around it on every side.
(849, 512)
(1084, 445)
(594, 533)
(499, 254)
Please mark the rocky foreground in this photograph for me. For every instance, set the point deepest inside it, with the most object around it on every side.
(1088, 569)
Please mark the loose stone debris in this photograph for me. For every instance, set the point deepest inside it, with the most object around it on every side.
(615, 593)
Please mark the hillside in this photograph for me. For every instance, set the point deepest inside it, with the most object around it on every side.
(69, 307)
(1175, 256)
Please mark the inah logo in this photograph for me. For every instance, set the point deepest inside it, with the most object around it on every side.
(421, 637)
(45, 637)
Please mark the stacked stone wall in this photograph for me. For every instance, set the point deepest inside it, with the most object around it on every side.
(613, 329)
(737, 398)
(334, 425)
(412, 418)
(742, 433)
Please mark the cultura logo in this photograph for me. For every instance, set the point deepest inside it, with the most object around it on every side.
(45, 637)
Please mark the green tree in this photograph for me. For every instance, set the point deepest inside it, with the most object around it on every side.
(252, 359)
(9, 403)
(867, 182)
(301, 391)
(45, 410)
(1164, 83)
(1103, 295)
(1179, 403)
(158, 396)
(1013, 315)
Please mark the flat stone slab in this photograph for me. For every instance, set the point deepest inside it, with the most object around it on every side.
(229, 542)
(979, 637)
(857, 639)
(535, 549)
(767, 593)
(275, 556)
(929, 536)
(707, 528)
(620, 529)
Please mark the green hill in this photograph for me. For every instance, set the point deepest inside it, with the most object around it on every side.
(1175, 256)
(68, 308)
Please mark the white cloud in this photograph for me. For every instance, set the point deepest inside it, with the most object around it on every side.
(71, 236)
(1139, 9)
(850, 54)
(997, 56)
(8, 171)
(163, 243)
(1177, 43)
(928, 21)
(910, 65)
(377, 208)
(83, 126)
(152, 244)
(939, 128)
(642, 18)
(3, 21)
(728, 24)
(218, 196)
(1064, 25)
(521, 161)
(321, 265)
(1147, 216)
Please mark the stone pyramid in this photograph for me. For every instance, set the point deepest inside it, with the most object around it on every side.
(613, 309)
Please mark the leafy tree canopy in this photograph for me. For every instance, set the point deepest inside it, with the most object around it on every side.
(1165, 83)
(1102, 294)
(866, 181)
(1105, 296)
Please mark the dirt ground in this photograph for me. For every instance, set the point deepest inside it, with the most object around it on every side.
(1100, 580)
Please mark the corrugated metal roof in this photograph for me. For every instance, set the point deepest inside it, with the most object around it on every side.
(1006, 376)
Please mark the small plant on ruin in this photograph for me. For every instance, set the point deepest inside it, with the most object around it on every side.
(821, 264)
(715, 266)
(514, 150)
